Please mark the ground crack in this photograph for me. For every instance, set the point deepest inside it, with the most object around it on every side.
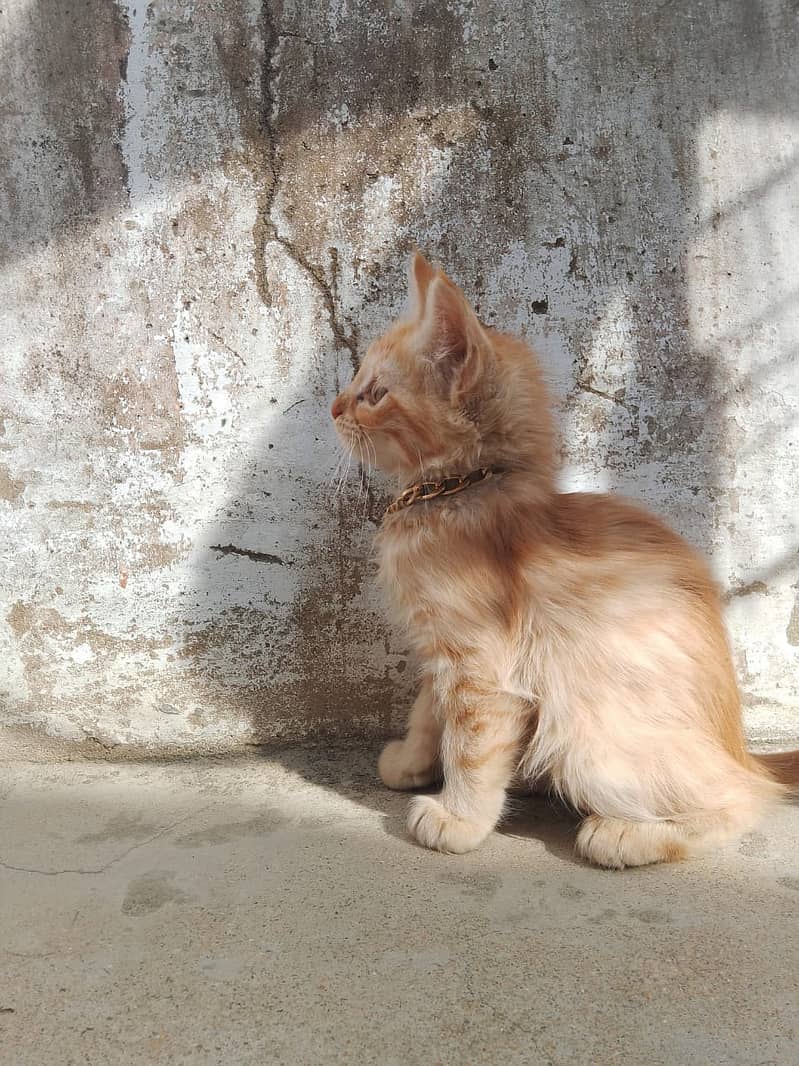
(110, 863)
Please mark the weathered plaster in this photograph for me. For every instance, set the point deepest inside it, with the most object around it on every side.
(206, 210)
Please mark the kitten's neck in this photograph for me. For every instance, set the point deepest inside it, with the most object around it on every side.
(519, 485)
(447, 486)
(513, 468)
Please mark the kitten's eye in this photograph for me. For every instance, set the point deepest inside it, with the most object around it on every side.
(373, 395)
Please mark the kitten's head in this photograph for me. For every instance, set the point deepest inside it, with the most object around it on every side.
(441, 393)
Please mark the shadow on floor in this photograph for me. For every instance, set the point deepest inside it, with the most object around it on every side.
(353, 775)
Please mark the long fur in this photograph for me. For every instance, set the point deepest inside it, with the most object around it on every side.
(566, 638)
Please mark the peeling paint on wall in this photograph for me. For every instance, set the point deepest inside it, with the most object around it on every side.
(206, 213)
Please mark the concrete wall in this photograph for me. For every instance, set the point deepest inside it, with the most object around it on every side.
(206, 212)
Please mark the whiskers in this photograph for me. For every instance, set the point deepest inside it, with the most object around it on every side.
(340, 472)
(358, 446)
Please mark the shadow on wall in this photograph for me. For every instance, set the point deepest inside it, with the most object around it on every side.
(403, 138)
(567, 206)
(548, 156)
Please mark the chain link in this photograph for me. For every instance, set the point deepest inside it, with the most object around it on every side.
(429, 490)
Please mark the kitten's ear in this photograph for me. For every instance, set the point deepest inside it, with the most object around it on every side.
(420, 274)
(452, 337)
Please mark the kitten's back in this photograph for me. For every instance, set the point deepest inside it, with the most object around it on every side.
(624, 575)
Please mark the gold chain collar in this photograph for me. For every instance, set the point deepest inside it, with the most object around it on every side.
(428, 490)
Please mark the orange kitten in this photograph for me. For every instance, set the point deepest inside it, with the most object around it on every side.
(571, 638)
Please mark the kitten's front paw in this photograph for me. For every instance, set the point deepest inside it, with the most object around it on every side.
(435, 827)
(400, 770)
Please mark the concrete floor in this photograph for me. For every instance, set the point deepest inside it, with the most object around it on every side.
(273, 911)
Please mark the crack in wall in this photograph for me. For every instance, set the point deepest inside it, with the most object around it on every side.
(257, 557)
(264, 142)
(343, 339)
(221, 340)
(611, 397)
(265, 167)
(744, 590)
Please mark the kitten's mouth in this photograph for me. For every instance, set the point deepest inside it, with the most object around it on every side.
(346, 432)
(356, 442)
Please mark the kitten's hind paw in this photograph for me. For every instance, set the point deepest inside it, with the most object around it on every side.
(399, 769)
(436, 827)
(615, 843)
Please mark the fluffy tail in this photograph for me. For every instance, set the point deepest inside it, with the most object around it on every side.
(782, 766)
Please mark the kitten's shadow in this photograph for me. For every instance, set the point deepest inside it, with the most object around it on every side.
(531, 817)
(540, 816)
(353, 775)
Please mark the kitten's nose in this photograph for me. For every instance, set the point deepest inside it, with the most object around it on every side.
(338, 406)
